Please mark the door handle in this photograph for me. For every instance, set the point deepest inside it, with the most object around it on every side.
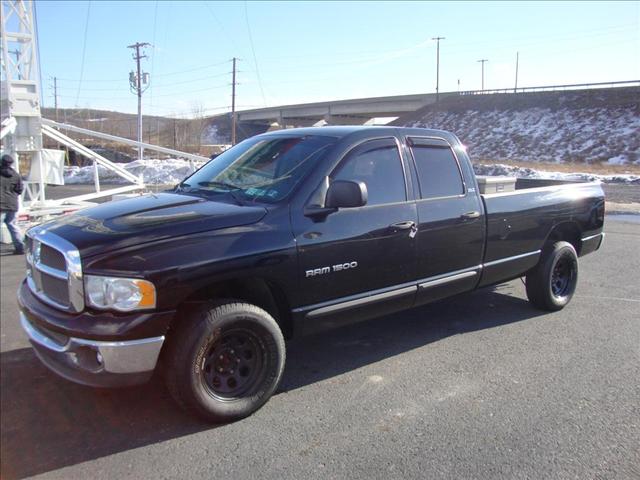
(469, 215)
(406, 225)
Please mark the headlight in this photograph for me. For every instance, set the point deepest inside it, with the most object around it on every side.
(122, 294)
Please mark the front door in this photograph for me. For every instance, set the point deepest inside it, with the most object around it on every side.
(361, 252)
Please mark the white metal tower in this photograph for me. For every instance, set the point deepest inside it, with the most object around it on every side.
(23, 125)
(20, 84)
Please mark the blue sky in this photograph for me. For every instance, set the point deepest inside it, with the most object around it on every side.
(313, 51)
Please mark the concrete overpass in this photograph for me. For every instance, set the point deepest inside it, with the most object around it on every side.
(360, 110)
(353, 111)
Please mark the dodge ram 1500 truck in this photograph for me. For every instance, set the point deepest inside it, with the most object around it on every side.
(283, 234)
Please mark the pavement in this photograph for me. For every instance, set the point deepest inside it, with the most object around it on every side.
(478, 386)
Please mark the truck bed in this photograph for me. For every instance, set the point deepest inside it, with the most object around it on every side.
(519, 222)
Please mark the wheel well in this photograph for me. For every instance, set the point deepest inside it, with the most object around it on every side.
(257, 291)
(567, 232)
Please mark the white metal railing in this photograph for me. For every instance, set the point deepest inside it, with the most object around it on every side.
(8, 126)
(126, 141)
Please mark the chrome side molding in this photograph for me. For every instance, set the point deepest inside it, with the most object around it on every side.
(364, 298)
(450, 277)
(511, 259)
(337, 307)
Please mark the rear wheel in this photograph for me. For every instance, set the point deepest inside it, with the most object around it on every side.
(225, 360)
(552, 283)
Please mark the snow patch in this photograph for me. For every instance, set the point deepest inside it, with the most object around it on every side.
(500, 169)
(153, 171)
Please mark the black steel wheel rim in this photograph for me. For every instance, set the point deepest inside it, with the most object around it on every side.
(234, 364)
(562, 277)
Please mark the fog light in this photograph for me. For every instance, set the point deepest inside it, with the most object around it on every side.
(99, 358)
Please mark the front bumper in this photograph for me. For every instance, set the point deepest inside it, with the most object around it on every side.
(95, 363)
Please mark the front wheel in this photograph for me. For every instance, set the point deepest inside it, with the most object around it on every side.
(552, 283)
(225, 360)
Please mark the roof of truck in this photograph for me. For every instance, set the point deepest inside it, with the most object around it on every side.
(344, 130)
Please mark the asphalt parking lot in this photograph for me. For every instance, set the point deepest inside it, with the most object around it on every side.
(478, 386)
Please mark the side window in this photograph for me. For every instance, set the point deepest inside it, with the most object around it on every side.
(438, 171)
(377, 163)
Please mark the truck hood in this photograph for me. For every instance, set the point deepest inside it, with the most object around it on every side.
(114, 225)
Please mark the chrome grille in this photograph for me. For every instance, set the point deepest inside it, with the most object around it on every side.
(52, 258)
(54, 271)
(56, 289)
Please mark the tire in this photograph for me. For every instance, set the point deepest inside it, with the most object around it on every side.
(552, 282)
(224, 360)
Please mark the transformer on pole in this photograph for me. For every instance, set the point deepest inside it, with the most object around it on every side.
(139, 82)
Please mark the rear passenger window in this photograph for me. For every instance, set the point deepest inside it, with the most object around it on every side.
(438, 171)
(377, 163)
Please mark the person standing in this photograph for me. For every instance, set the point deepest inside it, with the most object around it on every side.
(10, 190)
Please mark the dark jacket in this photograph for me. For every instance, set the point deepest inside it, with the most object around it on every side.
(10, 188)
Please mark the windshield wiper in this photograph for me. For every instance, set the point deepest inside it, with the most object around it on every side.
(216, 183)
(180, 187)
(231, 189)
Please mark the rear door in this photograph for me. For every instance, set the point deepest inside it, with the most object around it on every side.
(450, 222)
(361, 252)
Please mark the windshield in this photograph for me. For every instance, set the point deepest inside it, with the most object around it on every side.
(261, 168)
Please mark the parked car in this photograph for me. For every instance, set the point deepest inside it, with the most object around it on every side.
(284, 234)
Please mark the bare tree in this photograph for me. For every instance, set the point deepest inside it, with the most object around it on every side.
(197, 125)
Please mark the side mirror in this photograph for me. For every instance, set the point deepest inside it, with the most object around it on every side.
(346, 194)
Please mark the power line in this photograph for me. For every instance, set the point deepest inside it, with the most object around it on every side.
(162, 85)
(84, 49)
(188, 70)
(153, 42)
(227, 37)
(253, 51)
(215, 87)
(374, 54)
(180, 72)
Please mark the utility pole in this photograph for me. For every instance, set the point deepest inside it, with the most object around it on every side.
(233, 103)
(482, 62)
(437, 39)
(135, 81)
(517, 58)
(55, 96)
(175, 134)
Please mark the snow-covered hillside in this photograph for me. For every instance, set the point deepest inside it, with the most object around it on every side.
(542, 135)
(579, 126)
